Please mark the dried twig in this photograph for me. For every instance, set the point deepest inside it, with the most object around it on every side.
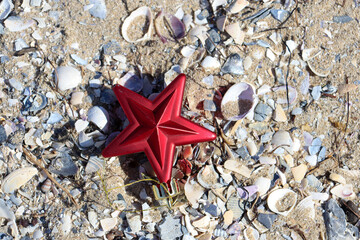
(287, 75)
(32, 159)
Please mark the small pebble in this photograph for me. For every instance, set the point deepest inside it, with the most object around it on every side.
(342, 19)
(262, 111)
(316, 93)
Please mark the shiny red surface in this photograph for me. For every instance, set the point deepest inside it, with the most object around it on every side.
(156, 127)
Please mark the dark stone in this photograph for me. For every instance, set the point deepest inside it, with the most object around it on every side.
(243, 153)
(3, 136)
(262, 111)
(214, 37)
(266, 219)
(212, 209)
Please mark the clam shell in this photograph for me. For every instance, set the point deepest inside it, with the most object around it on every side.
(99, 116)
(241, 99)
(337, 178)
(306, 206)
(210, 63)
(77, 98)
(6, 6)
(208, 177)
(140, 12)
(299, 172)
(94, 165)
(131, 81)
(344, 191)
(108, 223)
(63, 165)
(67, 77)
(321, 72)
(17, 178)
(310, 53)
(198, 33)
(282, 201)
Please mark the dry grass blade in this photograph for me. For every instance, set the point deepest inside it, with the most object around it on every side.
(31, 158)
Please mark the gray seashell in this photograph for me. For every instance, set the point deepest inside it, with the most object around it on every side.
(279, 14)
(17, 178)
(111, 48)
(94, 165)
(208, 177)
(99, 9)
(6, 212)
(322, 154)
(6, 6)
(54, 118)
(85, 140)
(233, 65)
(316, 92)
(16, 84)
(233, 205)
(63, 165)
(132, 82)
(342, 19)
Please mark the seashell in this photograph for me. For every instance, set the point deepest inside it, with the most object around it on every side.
(344, 191)
(108, 223)
(6, 6)
(93, 219)
(282, 201)
(17, 24)
(85, 140)
(187, 51)
(220, 233)
(187, 20)
(233, 205)
(238, 167)
(202, 222)
(279, 114)
(291, 44)
(98, 9)
(233, 65)
(235, 32)
(263, 185)
(46, 186)
(131, 81)
(321, 72)
(292, 94)
(251, 233)
(250, 191)
(133, 19)
(77, 98)
(17, 178)
(238, 101)
(228, 217)
(198, 33)
(99, 116)
(193, 192)
(337, 178)
(310, 53)
(306, 206)
(345, 88)
(199, 18)
(281, 139)
(267, 160)
(67, 78)
(220, 22)
(177, 27)
(311, 159)
(319, 196)
(251, 146)
(94, 165)
(237, 6)
(210, 63)
(187, 152)
(216, 3)
(54, 118)
(299, 172)
(63, 165)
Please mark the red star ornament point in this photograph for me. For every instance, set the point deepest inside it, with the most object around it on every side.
(156, 127)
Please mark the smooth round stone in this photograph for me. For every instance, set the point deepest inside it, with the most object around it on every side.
(67, 78)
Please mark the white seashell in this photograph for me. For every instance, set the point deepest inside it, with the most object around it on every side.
(270, 55)
(235, 32)
(187, 20)
(242, 95)
(307, 206)
(251, 146)
(46, 186)
(247, 63)
(17, 178)
(67, 77)
(193, 192)
(5, 211)
(94, 165)
(282, 201)
(292, 45)
(344, 191)
(16, 24)
(66, 223)
(140, 12)
(208, 177)
(319, 196)
(321, 72)
(251, 233)
(216, 3)
(311, 159)
(198, 33)
(98, 9)
(187, 51)
(108, 223)
(99, 116)
(281, 139)
(202, 223)
(310, 53)
(85, 140)
(267, 160)
(6, 6)
(263, 185)
(238, 167)
(80, 125)
(93, 219)
(337, 178)
(299, 172)
(237, 6)
(296, 144)
(197, 20)
(210, 63)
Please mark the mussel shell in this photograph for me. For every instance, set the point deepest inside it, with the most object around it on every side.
(63, 165)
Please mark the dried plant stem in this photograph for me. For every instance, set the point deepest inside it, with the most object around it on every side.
(32, 159)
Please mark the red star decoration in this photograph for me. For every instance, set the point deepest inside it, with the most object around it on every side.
(156, 127)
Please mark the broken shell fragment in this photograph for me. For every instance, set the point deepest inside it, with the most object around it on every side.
(6, 6)
(281, 139)
(282, 201)
(310, 53)
(306, 206)
(177, 27)
(337, 178)
(238, 101)
(67, 77)
(237, 6)
(99, 116)
(94, 165)
(320, 71)
(132, 22)
(345, 88)
(235, 32)
(299, 172)
(17, 178)
(45, 187)
(263, 185)
(210, 63)
(251, 233)
(344, 191)
(292, 94)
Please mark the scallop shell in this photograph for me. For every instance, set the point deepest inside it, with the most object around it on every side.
(243, 95)
(141, 11)
(94, 165)
(306, 206)
(17, 178)
(278, 198)
(6, 6)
